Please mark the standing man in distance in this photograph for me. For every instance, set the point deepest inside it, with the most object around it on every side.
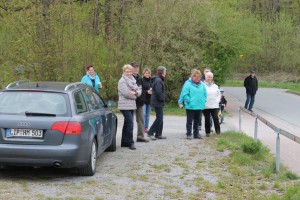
(140, 101)
(251, 85)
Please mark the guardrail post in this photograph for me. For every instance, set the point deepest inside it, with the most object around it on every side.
(277, 151)
(255, 128)
(240, 119)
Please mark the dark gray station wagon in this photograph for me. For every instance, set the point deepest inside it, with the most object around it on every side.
(56, 124)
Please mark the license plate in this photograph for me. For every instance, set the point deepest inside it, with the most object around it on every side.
(24, 133)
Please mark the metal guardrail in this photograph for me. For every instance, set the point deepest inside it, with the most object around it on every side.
(272, 126)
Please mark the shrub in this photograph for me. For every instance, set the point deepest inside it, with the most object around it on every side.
(291, 175)
(251, 147)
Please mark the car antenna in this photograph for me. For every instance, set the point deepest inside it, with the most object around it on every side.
(37, 85)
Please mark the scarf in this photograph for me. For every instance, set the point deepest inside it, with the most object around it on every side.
(196, 82)
(131, 82)
(91, 77)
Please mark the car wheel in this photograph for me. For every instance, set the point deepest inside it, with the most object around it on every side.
(113, 145)
(90, 169)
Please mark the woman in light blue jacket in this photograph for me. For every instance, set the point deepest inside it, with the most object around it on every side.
(91, 78)
(194, 97)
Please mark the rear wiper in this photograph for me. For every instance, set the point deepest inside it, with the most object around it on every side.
(39, 114)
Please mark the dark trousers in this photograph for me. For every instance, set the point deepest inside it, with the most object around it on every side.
(200, 118)
(214, 114)
(250, 101)
(157, 126)
(127, 131)
(192, 116)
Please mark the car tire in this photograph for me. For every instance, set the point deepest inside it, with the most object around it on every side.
(113, 145)
(90, 168)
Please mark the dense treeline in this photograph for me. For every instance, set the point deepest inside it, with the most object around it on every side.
(54, 39)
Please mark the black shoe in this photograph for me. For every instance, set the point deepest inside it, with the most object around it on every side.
(250, 110)
(132, 147)
(124, 145)
(160, 137)
(142, 140)
(197, 137)
(189, 137)
(207, 134)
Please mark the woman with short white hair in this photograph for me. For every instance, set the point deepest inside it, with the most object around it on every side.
(128, 91)
(212, 104)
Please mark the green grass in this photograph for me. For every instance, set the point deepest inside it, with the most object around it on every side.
(169, 109)
(292, 87)
(173, 109)
(254, 169)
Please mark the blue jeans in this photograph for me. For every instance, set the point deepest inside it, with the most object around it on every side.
(250, 101)
(127, 131)
(147, 111)
(192, 116)
(157, 126)
(222, 116)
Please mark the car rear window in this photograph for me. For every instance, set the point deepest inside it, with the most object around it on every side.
(19, 102)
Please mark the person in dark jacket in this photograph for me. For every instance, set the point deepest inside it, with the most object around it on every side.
(222, 105)
(251, 85)
(147, 90)
(158, 102)
(140, 101)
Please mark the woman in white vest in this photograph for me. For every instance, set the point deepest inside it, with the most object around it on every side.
(212, 104)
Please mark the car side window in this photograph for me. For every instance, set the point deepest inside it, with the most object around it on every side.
(79, 103)
(99, 101)
(90, 99)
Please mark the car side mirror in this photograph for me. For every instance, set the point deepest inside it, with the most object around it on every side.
(111, 103)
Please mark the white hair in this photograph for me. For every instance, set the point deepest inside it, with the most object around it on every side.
(209, 74)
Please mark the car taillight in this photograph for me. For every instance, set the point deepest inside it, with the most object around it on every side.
(67, 128)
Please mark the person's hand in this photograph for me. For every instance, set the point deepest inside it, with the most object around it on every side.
(149, 91)
(180, 105)
(133, 93)
(100, 85)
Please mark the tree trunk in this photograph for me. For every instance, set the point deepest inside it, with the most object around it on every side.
(96, 18)
(276, 6)
(107, 16)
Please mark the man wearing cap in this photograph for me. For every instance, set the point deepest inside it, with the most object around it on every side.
(251, 85)
(158, 103)
(140, 101)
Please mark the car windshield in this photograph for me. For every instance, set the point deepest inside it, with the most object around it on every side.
(21, 102)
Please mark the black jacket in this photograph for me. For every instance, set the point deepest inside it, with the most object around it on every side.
(140, 101)
(158, 92)
(251, 85)
(223, 102)
(147, 84)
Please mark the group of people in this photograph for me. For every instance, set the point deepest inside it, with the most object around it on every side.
(200, 94)
(138, 94)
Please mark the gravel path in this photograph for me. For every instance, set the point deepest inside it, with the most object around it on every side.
(174, 168)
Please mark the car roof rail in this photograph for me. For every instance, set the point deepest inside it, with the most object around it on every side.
(16, 83)
(73, 85)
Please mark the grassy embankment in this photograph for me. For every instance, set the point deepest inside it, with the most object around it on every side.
(250, 171)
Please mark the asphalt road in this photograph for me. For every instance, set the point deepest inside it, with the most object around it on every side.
(276, 102)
